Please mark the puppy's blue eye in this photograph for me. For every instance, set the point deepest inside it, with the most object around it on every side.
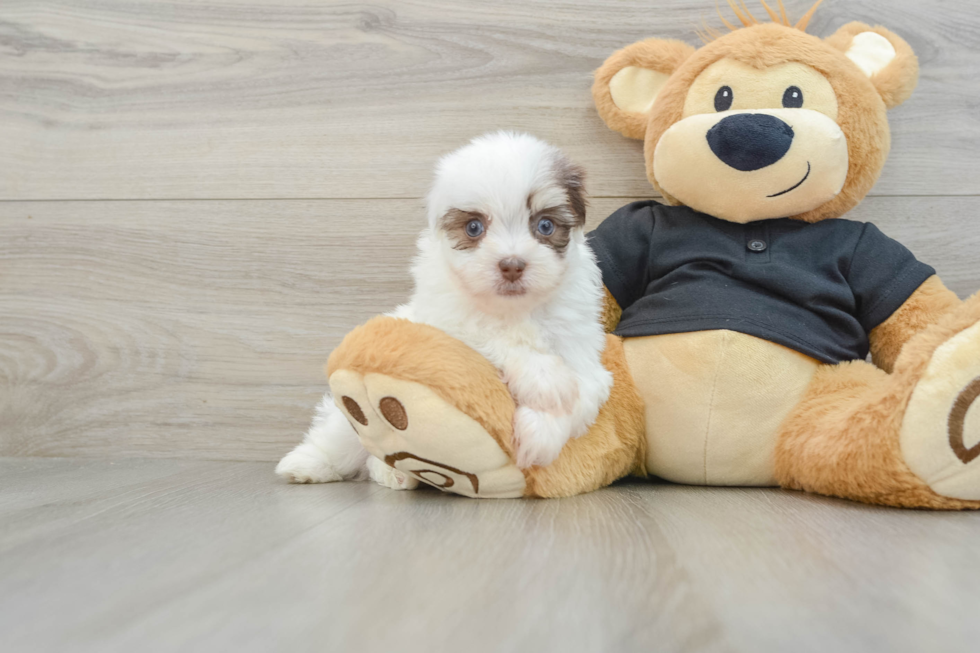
(474, 228)
(546, 227)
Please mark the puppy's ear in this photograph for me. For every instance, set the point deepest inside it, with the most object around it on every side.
(881, 55)
(572, 178)
(626, 85)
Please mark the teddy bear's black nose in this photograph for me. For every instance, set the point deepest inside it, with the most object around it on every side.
(750, 141)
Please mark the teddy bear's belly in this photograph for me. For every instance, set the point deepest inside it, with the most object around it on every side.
(714, 401)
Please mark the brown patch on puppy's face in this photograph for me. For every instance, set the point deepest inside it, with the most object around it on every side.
(460, 227)
(572, 178)
(552, 226)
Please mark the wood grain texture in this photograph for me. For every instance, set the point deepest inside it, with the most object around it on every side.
(199, 329)
(210, 556)
(128, 323)
(141, 99)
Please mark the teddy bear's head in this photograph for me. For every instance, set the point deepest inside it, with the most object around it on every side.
(763, 122)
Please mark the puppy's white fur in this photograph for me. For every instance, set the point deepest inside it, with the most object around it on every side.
(542, 331)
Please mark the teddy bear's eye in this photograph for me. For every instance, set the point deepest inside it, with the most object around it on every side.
(474, 228)
(723, 98)
(793, 98)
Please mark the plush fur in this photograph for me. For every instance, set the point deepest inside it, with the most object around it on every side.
(423, 354)
(897, 81)
(611, 312)
(661, 55)
(843, 438)
(930, 301)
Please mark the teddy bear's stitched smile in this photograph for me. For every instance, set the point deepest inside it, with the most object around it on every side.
(795, 186)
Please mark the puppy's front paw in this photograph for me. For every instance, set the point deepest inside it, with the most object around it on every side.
(307, 464)
(544, 384)
(538, 437)
(388, 476)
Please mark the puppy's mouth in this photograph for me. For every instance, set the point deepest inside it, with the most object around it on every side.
(511, 289)
(794, 186)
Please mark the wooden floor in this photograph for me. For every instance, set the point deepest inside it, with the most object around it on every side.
(156, 555)
(199, 198)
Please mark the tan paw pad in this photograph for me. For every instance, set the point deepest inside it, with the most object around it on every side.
(415, 431)
(940, 436)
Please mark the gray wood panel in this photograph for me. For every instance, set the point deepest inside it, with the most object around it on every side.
(113, 99)
(198, 329)
(209, 556)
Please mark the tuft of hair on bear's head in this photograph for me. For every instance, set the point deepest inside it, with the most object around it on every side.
(745, 16)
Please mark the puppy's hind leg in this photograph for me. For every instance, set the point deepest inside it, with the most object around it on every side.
(330, 451)
(389, 477)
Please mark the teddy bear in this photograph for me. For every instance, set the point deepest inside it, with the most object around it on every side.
(740, 310)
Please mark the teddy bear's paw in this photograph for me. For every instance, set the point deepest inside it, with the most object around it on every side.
(415, 435)
(940, 434)
(307, 464)
(383, 474)
(538, 437)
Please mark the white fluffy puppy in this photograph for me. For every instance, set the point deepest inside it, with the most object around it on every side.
(504, 267)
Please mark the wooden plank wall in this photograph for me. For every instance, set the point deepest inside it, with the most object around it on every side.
(199, 198)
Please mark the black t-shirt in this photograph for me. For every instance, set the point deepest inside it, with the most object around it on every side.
(817, 288)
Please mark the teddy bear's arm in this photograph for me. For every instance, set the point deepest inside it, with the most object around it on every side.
(924, 307)
(611, 312)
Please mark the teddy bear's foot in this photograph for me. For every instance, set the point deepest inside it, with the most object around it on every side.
(430, 407)
(940, 432)
(910, 438)
(416, 435)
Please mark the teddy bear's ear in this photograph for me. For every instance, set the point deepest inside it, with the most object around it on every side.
(626, 85)
(881, 55)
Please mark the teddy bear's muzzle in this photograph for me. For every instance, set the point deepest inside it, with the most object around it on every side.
(744, 166)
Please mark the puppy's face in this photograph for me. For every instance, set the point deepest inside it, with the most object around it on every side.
(507, 208)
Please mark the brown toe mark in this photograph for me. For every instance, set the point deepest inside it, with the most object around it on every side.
(394, 412)
(355, 410)
(957, 417)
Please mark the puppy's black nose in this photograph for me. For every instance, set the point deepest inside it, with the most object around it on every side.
(750, 141)
(512, 268)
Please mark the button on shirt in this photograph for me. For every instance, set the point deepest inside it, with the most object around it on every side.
(816, 288)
